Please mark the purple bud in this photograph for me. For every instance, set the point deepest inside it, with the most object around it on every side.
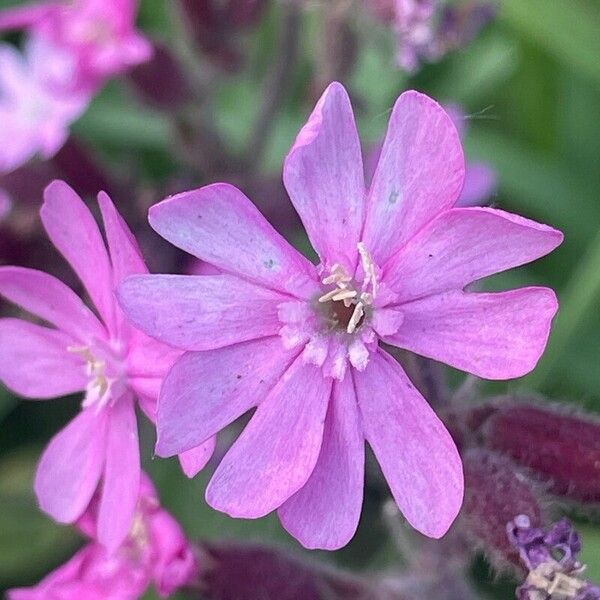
(214, 24)
(248, 572)
(496, 491)
(161, 82)
(562, 449)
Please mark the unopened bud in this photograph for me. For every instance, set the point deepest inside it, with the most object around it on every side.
(161, 81)
(495, 491)
(248, 572)
(214, 25)
(562, 449)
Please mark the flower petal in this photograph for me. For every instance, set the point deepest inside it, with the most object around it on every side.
(417, 455)
(218, 224)
(325, 512)
(205, 391)
(125, 254)
(121, 485)
(420, 174)
(323, 174)
(73, 230)
(35, 362)
(70, 467)
(277, 451)
(51, 300)
(495, 336)
(463, 245)
(194, 460)
(200, 312)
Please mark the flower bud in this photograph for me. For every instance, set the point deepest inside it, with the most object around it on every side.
(495, 493)
(562, 449)
(161, 82)
(247, 572)
(214, 24)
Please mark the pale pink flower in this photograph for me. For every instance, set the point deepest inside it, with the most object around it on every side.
(155, 551)
(35, 112)
(107, 358)
(481, 179)
(302, 343)
(99, 35)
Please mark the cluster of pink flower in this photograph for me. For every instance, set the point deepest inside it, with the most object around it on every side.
(70, 50)
(301, 343)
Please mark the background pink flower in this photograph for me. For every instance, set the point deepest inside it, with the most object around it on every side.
(154, 551)
(35, 112)
(98, 35)
(107, 358)
(302, 342)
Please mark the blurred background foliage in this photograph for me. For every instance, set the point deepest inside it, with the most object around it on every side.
(530, 85)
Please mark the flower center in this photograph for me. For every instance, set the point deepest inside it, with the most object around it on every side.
(105, 369)
(346, 303)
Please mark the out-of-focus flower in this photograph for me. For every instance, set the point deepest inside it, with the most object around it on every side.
(72, 47)
(480, 178)
(302, 342)
(99, 36)
(560, 448)
(426, 30)
(155, 551)
(34, 111)
(107, 358)
(551, 559)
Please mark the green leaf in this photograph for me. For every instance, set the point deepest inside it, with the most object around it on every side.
(579, 302)
(566, 30)
(30, 543)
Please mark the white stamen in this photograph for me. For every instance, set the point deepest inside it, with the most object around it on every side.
(329, 295)
(368, 267)
(355, 318)
(345, 292)
(345, 295)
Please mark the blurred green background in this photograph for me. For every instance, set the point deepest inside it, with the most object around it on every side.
(530, 84)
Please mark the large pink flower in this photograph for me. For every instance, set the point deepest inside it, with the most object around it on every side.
(302, 343)
(107, 358)
(99, 35)
(154, 551)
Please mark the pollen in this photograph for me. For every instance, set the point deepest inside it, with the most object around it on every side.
(346, 292)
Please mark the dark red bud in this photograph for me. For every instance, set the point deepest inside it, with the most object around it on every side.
(247, 572)
(214, 26)
(161, 82)
(495, 493)
(562, 449)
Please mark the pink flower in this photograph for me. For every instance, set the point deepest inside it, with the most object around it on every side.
(107, 358)
(34, 113)
(302, 343)
(480, 178)
(99, 35)
(154, 551)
